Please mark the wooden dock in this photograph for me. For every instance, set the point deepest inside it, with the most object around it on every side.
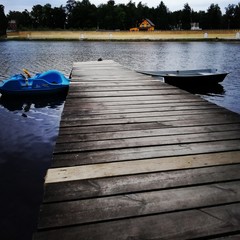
(139, 159)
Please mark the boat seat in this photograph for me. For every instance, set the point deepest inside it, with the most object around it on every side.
(51, 76)
(39, 84)
(14, 85)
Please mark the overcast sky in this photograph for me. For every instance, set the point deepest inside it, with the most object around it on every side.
(173, 5)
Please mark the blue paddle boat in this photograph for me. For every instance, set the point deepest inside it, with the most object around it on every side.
(49, 82)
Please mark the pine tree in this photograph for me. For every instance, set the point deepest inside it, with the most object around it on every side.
(3, 21)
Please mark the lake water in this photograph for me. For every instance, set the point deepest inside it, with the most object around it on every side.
(29, 127)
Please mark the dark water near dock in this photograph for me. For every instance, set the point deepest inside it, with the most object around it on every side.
(29, 127)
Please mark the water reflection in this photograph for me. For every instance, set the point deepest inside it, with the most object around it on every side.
(29, 127)
(26, 103)
(203, 89)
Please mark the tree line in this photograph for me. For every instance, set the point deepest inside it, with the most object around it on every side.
(83, 15)
(3, 21)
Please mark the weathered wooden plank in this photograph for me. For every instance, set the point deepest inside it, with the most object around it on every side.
(140, 166)
(166, 120)
(108, 106)
(148, 113)
(103, 156)
(134, 98)
(104, 69)
(151, 114)
(131, 109)
(92, 64)
(203, 222)
(100, 71)
(111, 75)
(88, 188)
(115, 76)
(74, 135)
(79, 102)
(76, 81)
(144, 126)
(93, 88)
(132, 93)
(110, 80)
(136, 104)
(138, 204)
(73, 145)
(112, 127)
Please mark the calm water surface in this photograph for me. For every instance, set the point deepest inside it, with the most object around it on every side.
(29, 128)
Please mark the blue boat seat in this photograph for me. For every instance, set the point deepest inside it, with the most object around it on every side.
(39, 84)
(14, 85)
(51, 76)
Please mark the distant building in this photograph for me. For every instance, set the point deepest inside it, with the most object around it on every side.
(195, 26)
(12, 26)
(145, 25)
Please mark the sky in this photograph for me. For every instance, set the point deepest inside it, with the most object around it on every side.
(172, 5)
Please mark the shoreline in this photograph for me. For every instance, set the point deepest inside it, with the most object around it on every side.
(199, 35)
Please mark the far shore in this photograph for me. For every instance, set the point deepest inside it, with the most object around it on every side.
(197, 35)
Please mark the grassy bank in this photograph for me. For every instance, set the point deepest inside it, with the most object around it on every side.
(126, 35)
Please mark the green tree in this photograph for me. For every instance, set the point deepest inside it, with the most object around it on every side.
(106, 16)
(142, 11)
(131, 16)
(3, 21)
(186, 17)
(237, 16)
(111, 16)
(37, 16)
(162, 17)
(214, 17)
(111, 2)
(47, 16)
(232, 16)
(175, 20)
(228, 18)
(59, 17)
(201, 17)
(70, 5)
(83, 15)
(23, 19)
